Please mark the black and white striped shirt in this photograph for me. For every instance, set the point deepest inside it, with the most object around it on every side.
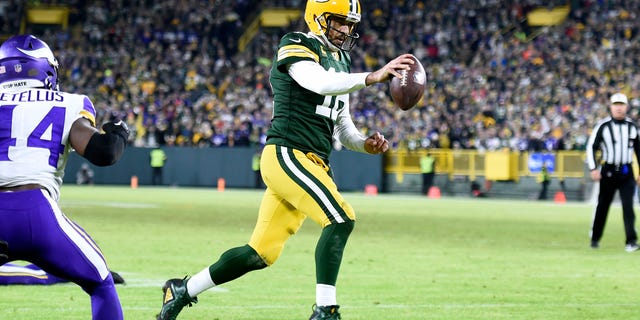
(617, 139)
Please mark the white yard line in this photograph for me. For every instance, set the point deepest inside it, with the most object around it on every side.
(108, 204)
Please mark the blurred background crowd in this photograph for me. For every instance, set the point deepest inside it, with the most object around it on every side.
(172, 69)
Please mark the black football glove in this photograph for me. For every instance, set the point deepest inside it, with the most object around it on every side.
(104, 149)
(120, 128)
(4, 252)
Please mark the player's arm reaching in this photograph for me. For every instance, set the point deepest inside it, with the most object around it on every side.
(313, 77)
(101, 149)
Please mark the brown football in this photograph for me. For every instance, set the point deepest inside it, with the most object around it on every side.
(408, 90)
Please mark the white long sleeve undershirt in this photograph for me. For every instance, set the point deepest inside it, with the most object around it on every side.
(347, 133)
(312, 76)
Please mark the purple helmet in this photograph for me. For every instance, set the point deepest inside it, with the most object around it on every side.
(27, 62)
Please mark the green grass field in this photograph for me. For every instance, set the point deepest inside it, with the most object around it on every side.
(409, 258)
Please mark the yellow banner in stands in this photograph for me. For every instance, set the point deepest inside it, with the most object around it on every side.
(547, 17)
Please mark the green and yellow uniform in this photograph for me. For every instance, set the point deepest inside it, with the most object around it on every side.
(311, 80)
(295, 159)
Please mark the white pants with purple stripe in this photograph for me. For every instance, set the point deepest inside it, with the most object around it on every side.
(37, 231)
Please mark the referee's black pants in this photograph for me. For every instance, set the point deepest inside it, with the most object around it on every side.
(614, 178)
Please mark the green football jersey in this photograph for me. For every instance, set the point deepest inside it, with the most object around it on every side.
(303, 119)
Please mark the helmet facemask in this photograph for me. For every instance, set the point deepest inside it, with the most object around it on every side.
(348, 39)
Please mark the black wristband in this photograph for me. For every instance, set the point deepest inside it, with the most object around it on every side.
(105, 149)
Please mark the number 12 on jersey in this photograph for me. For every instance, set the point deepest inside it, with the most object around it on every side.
(329, 108)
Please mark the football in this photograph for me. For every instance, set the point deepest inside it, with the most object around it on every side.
(408, 90)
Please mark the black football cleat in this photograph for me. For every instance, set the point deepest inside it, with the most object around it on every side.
(117, 278)
(174, 299)
(325, 313)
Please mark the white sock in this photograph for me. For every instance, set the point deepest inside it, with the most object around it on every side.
(325, 295)
(199, 283)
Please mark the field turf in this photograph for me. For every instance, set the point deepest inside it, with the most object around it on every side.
(409, 257)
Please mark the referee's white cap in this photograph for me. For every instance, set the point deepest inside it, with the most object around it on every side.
(619, 98)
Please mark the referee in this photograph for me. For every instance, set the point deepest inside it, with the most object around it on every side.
(617, 138)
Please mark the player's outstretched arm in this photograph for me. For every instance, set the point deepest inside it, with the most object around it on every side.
(101, 149)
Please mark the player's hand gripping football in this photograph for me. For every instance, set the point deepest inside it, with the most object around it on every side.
(376, 143)
(385, 73)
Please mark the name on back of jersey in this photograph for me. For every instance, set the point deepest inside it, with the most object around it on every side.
(31, 96)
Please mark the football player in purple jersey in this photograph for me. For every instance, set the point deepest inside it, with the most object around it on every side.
(39, 126)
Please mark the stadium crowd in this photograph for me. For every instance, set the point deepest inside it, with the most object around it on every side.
(174, 73)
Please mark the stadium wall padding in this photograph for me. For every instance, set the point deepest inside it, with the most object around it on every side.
(202, 167)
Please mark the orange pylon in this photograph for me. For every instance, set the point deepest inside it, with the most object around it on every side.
(134, 182)
(560, 197)
(434, 193)
(371, 189)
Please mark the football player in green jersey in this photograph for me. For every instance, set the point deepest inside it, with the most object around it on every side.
(311, 82)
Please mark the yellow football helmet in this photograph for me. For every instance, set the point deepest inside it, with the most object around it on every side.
(319, 13)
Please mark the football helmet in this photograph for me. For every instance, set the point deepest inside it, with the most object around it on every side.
(319, 13)
(27, 62)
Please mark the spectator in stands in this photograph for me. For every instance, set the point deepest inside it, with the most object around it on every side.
(480, 57)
